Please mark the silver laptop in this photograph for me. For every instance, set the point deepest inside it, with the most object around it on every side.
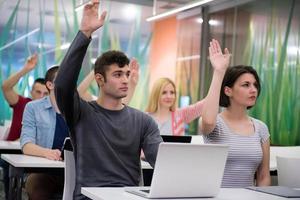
(186, 170)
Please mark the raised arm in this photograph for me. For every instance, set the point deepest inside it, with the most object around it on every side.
(133, 80)
(8, 85)
(65, 85)
(220, 63)
(84, 86)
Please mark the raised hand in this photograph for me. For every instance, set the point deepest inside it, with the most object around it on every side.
(134, 72)
(90, 19)
(31, 62)
(218, 60)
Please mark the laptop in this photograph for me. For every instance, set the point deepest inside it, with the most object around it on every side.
(176, 138)
(186, 171)
(278, 191)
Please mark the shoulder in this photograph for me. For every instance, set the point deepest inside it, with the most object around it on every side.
(260, 125)
(36, 104)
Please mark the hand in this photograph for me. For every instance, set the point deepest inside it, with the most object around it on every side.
(218, 60)
(90, 19)
(53, 154)
(134, 72)
(31, 62)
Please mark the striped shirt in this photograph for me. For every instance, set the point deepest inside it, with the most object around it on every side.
(245, 152)
(180, 117)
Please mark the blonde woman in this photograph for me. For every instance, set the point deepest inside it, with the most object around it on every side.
(162, 103)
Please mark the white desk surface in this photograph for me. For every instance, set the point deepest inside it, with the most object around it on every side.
(14, 145)
(97, 193)
(20, 160)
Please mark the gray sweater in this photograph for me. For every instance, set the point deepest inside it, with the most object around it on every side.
(107, 143)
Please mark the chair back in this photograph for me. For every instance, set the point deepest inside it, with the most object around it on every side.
(288, 170)
(70, 171)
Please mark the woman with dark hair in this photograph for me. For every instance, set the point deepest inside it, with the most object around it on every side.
(247, 137)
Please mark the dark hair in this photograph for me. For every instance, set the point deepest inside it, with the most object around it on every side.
(231, 75)
(39, 80)
(108, 58)
(50, 74)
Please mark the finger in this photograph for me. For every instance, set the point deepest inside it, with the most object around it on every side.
(217, 46)
(103, 15)
(95, 5)
(210, 51)
(211, 48)
(226, 51)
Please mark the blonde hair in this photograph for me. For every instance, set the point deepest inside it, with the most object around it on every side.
(156, 93)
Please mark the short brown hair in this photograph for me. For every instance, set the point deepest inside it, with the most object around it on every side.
(108, 58)
(231, 75)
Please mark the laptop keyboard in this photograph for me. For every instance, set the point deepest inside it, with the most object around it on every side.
(147, 191)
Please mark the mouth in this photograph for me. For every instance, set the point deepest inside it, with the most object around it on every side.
(252, 98)
(124, 89)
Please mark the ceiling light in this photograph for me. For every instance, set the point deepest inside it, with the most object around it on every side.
(177, 10)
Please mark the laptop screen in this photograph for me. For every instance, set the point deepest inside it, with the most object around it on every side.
(180, 139)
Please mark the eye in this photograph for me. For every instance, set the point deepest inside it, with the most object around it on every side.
(164, 92)
(117, 75)
(172, 92)
(128, 74)
(245, 85)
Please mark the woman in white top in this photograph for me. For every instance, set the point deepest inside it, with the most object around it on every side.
(247, 137)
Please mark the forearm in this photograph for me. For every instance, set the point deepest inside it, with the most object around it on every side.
(211, 102)
(13, 80)
(34, 150)
(263, 179)
(84, 86)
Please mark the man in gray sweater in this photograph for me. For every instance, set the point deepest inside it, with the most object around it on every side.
(107, 135)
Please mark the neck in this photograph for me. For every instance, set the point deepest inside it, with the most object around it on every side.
(162, 112)
(53, 101)
(237, 113)
(110, 103)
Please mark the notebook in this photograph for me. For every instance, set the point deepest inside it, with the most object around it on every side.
(186, 170)
(278, 191)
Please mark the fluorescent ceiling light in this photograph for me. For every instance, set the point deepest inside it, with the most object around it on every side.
(177, 10)
(20, 38)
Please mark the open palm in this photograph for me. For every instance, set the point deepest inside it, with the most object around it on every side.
(90, 19)
(218, 60)
(134, 74)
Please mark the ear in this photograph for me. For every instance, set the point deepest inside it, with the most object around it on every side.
(49, 85)
(228, 91)
(99, 79)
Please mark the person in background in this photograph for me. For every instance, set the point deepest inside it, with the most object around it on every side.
(17, 102)
(162, 105)
(43, 133)
(247, 137)
(107, 135)
(133, 80)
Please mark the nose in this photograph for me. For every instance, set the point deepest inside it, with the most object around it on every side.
(253, 89)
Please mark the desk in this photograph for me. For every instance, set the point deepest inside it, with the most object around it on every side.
(97, 193)
(10, 147)
(20, 164)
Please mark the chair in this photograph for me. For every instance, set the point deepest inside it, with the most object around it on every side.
(70, 172)
(288, 171)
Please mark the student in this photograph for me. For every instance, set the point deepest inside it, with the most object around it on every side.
(17, 103)
(247, 137)
(106, 134)
(162, 104)
(133, 80)
(43, 134)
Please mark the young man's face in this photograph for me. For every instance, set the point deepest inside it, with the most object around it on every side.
(39, 91)
(116, 82)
